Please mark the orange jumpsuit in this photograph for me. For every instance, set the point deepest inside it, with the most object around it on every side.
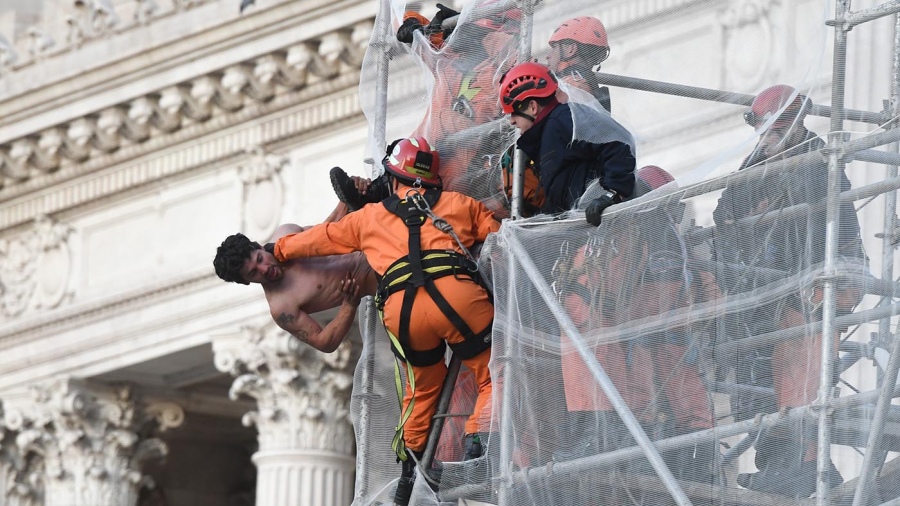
(464, 96)
(582, 296)
(382, 237)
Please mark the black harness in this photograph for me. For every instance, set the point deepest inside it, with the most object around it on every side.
(421, 268)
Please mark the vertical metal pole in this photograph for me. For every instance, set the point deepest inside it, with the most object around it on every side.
(509, 348)
(383, 51)
(371, 317)
(437, 422)
(874, 455)
(835, 169)
(518, 182)
(367, 332)
(507, 367)
(606, 384)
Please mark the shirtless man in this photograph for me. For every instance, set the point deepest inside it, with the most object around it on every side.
(297, 288)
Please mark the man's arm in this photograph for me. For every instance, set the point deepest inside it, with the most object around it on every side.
(618, 164)
(303, 327)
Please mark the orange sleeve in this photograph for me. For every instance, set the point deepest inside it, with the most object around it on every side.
(321, 240)
(483, 221)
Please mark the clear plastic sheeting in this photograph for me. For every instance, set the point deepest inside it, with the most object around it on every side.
(726, 336)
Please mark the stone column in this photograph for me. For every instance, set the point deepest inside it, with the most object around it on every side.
(87, 442)
(18, 476)
(306, 441)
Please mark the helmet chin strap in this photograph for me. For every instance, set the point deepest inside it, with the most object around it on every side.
(524, 115)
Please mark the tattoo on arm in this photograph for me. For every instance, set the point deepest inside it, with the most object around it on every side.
(285, 319)
(302, 335)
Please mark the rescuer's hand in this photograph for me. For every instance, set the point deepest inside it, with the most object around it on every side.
(407, 29)
(443, 13)
(594, 211)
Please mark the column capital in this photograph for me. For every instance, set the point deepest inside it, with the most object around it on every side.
(303, 395)
(90, 439)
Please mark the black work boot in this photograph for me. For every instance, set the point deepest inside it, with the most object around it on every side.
(797, 480)
(407, 478)
(347, 193)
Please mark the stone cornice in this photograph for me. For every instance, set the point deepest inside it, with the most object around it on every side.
(97, 310)
(212, 141)
(201, 40)
(228, 96)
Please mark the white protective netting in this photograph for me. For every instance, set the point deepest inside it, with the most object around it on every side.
(702, 300)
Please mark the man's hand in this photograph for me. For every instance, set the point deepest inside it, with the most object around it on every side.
(350, 292)
(594, 211)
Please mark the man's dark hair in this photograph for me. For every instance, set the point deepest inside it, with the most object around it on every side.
(231, 255)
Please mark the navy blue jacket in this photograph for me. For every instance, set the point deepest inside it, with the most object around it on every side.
(566, 167)
(791, 244)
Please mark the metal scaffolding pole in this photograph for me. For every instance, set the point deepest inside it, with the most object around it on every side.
(874, 457)
(859, 17)
(383, 51)
(728, 97)
(606, 384)
(367, 332)
(518, 189)
(519, 157)
(631, 453)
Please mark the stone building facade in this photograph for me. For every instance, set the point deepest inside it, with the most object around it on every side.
(136, 134)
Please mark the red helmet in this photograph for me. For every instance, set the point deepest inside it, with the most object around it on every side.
(413, 161)
(655, 177)
(771, 100)
(524, 81)
(583, 30)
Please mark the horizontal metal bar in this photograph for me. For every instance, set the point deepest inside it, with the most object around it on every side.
(870, 155)
(749, 343)
(572, 467)
(859, 17)
(797, 210)
(728, 97)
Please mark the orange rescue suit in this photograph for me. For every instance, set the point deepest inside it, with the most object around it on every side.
(383, 238)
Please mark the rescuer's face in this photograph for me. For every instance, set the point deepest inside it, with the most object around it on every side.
(521, 122)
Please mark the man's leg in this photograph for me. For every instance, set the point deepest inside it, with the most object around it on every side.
(357, 192)
(795, 367)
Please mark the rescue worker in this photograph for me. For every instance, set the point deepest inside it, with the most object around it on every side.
(577, 48)
(667, 391)
(297, 288)
(464, 74)
(566, 164)
(430, 292)
(794, 246)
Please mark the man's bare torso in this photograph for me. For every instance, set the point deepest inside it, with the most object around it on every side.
(314, 284)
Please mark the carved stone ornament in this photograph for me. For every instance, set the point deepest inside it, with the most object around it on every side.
(20, 476)
(749, 41)
(303, 396)
(90, 443)
(263, 192)
(35, 268)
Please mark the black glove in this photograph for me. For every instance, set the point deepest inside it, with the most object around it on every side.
(407, 29)
(437, 21)
(594, 211)
(270, 247)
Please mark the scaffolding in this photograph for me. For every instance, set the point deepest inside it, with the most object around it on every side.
(878, 425)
